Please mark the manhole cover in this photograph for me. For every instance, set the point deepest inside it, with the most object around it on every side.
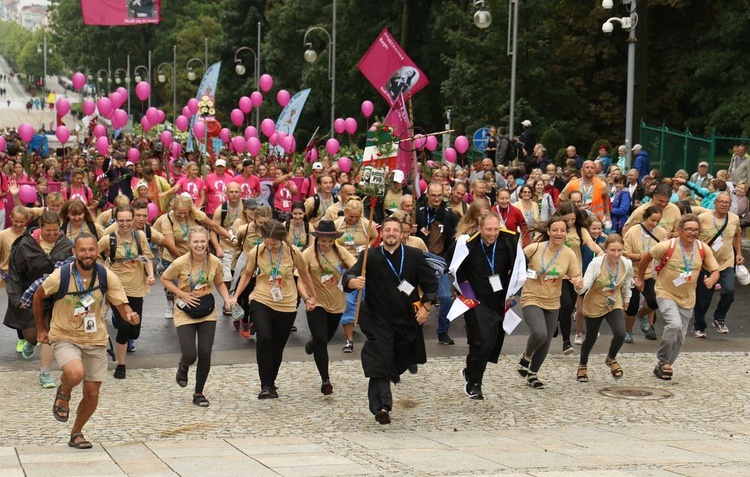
(635, 394)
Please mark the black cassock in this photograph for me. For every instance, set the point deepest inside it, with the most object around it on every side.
(387, 317)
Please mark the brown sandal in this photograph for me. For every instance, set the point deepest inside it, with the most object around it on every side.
(614, 367)
(81, 443)
(581, 376)
(61, 413)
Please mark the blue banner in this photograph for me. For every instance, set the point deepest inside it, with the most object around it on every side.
(289, 116)
(206, 88)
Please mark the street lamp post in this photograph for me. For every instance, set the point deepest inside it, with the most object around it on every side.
(190, 73)
(628, 24)
(511, 51)
(100, 80)
(311, 56)
(119, 72)
(162, 78)
(240, 70)
(42, 48)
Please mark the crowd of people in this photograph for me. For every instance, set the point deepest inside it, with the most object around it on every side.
(588, 240)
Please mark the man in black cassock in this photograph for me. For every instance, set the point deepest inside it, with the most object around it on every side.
(392, 313)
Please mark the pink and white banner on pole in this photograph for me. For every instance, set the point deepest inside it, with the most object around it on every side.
(387, 67)
(121, 12)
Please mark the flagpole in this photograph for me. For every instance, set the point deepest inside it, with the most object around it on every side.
(364, 259)
(415, 191)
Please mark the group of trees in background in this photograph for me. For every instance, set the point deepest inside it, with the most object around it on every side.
(571, 79)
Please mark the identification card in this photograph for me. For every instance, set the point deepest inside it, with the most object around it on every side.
(276, 294)
(349, 243)
(682, 279)
(180, 304)
(718, 243)
(89, 324)
(79, 311)
(550, 277)
(285, 204)
(611, 302)
(495, 283)
(360, 249)
(325, 278)
(531, 274)
(405, 287)
(87, 301)
(425, 231)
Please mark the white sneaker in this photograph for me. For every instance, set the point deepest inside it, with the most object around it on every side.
(578, 339)
(168, 312)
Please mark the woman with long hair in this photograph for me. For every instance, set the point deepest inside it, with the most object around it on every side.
(469, 223)
(298, 227)
(77, 218)
(527, 205)
(197, 273)
(273, 301)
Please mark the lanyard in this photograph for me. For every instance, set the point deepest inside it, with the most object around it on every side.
(613, 279)
(688, 265)
(490, 262)
(430, 221)
(275, 271)
(185, 229)
(645, 239)
(322, 254)
(127, 247)
(549, 264)
(393, 269)
(726, 219)
(297, 237)
(79, 281)
(323, 204)
(587, 195)
(500, 214)
(354, 230)
(200, 275)
(79, 231)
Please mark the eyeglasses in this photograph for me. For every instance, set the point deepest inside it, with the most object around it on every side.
(691, 231)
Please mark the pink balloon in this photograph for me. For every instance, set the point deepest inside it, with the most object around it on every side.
(78, 81)
(102, 145)
(267, 127)
(332, 146)
(123, 92)
(121, 117)
(237, 117)
(192, 106)
(431, 143)
(345, 164)
(145, 124)
(253, 146)
(27, 194)
(312, 155)
(288, 143)
(109, 114)
(419, 141)
(143, 90)
(26, 131)
(153, 211)
(273, 139)
(182, 123)
(152, 115)
(246, 104)
(104, 105)
(462, 144)
(2, 144)
(166, 138)
(225, 134)
(339, 125)
(367, 108)
(99, 131)
(186, 112)
(117, 99)
(238, 143)
(283, 97)
(62, 133)
(250, 131)
(431, 164)
(351, 125)
(88, 107)
(266, 83)
(176, 148)
(450, 154)
(63, 106)
(423, 186)
(256, 99)
(280, 135)
(161, 115)
(134, 154)
(199, 129)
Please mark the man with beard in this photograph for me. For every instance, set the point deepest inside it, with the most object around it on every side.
(392, 313)
(77, 331)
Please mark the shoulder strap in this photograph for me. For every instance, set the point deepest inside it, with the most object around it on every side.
(718, 234)
(64, 282)
(138, 243)
(307, 226)
(316, 206)
(148, 233)
(701, 250)
(224, 212)
(102, 273)
(667, 256)
(650, 234)
(112, 247)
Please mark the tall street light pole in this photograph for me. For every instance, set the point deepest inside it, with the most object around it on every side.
(311, 56)
(240, 70)
(162, 79)
(42, 48)
(512, 50)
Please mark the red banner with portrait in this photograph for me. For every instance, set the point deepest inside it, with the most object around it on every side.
(121, 12)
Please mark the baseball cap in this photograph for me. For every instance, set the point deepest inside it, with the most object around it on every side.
(317, 166)
(637, 147)
(220, 163)
(526, 123)
(178, 163)
(703, 163)
(250, 203)
(398, 176)
(247, 162)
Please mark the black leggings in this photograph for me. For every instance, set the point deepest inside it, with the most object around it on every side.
(648, 293)
(567, 303)
(186, 334)
(272, 330)
(323, 326)
(126, 331)
(616, 322)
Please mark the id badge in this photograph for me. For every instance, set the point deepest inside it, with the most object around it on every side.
(180, 304)
(495, 283)
(349, 243)
(718, 243)
(679, 281)
(425, 231)
(200, 287)
(405, 287)
(611, 302)
(531, 274)
(276, 294)
(360, 249)
(79, 311)
(326, 278)
(89, 324)
(285, 204)
(87, 301)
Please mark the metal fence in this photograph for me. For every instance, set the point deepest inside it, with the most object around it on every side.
(672, 150)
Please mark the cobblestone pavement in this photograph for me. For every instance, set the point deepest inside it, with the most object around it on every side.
(146, 424)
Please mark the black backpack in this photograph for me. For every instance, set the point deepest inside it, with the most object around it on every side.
(316, 205)
(65, 273)
(510, 152)
(113, 244)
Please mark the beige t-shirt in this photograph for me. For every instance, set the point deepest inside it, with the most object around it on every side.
(416, 242)
(332, 212)
(322, 209)
(156, 237)
(392, 199)
(723, 246)
(203, 277)
(638, 241)
(128, 265)
(69, 315)
(533, 213)
(106, 218)
(595, 301)
(355, 236)
(248, 234)
(326, 275)
(72, 231)
(670, 216)
(275, 272)
(574, 243)
(233, 213)
(683, 295)
(297, 236)
(178, 229)
(7, 237)
(546, 289)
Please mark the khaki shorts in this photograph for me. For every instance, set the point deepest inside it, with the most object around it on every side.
(94, 358)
